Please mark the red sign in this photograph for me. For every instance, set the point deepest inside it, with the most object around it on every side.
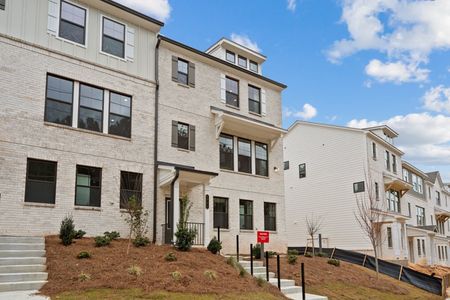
(263, 237)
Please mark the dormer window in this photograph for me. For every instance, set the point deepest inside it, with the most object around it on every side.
(113, 38)
(253, 66)
(231, 57)
(72, 25)
(242, 61)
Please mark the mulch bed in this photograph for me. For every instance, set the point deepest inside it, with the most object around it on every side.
(108, 269)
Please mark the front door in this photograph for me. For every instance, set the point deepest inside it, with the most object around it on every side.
(411, 250)
(168, 226)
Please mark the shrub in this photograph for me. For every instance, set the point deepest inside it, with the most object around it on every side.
(211, 275)
(135, 270)
(257, 251)
(78, 234)
(292, 259)
(293, 252)
(260, 281)
(141, 241)
(84, 277)
(232, 261)
(334, 262)
(321, 254)
(271, 254)
(83, 254)
(242, 272)
(176, 275)
(185, 236)
(170, 257)
(214, 246)
(66, 231)
(308, 254)
(101, 241)
(113, 235)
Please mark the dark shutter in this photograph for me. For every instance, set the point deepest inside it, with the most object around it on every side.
(191, 75)
(174, 134)
(192, 137)
(175, 68)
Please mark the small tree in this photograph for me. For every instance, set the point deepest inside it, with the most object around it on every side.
(313, 225)
(184, 236)
(67, 230)
(369, 217)
(136, 218)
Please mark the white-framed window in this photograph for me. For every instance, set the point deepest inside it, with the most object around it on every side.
(420, 216)
(113, 37)
(72, 22)
(405, 175)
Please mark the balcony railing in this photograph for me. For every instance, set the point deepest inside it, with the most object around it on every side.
(199, 239)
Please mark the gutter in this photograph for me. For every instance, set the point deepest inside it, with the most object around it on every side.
(155, 149)
(172, 187)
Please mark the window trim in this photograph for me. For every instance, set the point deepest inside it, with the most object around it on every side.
(102, 111)
(131, 112)
(233, 144)
(275, 217)
(46, 97)
(267, 158)
(188, 136)
(102, 17)
(178, 71)
(120, 187)
(230, 52)
(26, 180)
(250, 99)
(251, 154)
(253, 215)
(286, 165)
(389, 237)
(86, 18)
(304, 170)
(227, 212)
(100, 187)
(255, 63)
(356, 186)
(246, 61)
(238, 92)
(374, 151)
(424, 222)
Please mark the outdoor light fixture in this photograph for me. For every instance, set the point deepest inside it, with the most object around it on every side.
(207, 201)
(275, 169)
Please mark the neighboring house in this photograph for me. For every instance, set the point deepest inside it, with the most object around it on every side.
(90, 89)
(327, 168)
(219, 143)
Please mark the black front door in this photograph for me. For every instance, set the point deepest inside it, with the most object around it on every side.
(168, 226)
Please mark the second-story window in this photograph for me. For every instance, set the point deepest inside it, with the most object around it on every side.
(420, 216)
(242, 61)
(254, 99)
(113, 38)
(119, 114)
(374, 151)
(358, 187)
(232, 92)
(90, 115)
(231, 57)
(387, 160)
(183, 67)
(394, 163)
(58, 102)
(438, 198)
(377, 191)
(253, 66)
(393, 200)
(72, 24)
(183, 136)
(405, 175)
(302, 170)
(226, 152)
(389, 237)
(261, 161)
(244, 156)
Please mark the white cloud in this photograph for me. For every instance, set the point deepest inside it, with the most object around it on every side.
(404, 30)
(245, 41)
(308, 112)
(159, 9)
(397, 72)
(291, 5)
(437, 99)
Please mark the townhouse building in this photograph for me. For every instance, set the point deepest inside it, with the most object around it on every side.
(328, 169)
(98, 107)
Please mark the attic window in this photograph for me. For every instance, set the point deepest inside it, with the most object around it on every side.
(231, 57)
(253, 66)
(242, 61)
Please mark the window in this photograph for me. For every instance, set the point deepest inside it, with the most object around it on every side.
(183, 67)
(377, 191)
(423, 247)
(2, 4)
(302, 170)
(88, 186)
(72, 24)
(119, 114)
(270, 216)
(183, 136)
(286, 165)
(113, 38)
(389, 237)
(261, 162)
(253, 66)
(242, 61)
(226, 152)
(387, 159)
(394, 163)
(254, 99)
(420, 215)
(438, 198)
(417, 183)
(393, 199)
(231, 57)
(358, 187)
(246, 214)
(419, 249)
(405, 175)
(374, 151)
(409, 209)
(429, 192)
(220, 212)
(232, 92)
(41, 181)
(244, 156)
(90, 115)
(440, 227)
(130, 186)
(58, 102)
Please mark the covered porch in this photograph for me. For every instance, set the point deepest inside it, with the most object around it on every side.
(176, 182)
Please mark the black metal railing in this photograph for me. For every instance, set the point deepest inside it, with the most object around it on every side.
(198, 227)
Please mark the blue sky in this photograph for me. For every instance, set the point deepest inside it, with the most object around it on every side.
(346, 62)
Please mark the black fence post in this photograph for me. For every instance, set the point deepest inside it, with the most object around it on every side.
(278, 272)
(303, 282)
(320, 243)
(218, 233)
(237, 247)
(267, 266)
(251, 259)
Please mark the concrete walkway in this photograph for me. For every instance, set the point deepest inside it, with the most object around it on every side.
(22, 295)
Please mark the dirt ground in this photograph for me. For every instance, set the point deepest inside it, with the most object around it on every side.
(108, 266)
(438, 270)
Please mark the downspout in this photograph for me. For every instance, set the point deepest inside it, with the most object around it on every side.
(155, 150)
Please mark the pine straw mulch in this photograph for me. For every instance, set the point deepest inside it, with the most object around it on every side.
(108, 266)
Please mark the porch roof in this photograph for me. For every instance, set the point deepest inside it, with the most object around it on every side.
(187, 175)
(441, 215)
(396, 184)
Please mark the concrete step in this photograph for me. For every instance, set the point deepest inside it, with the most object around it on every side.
(256, 269)
(246, 264)
(22, 268)
(22, 253)
(21, 286)
(7, 261)
(283, 282)
(263, 275)
(22, 246)
(22, 239)
(298, 296)
(22, 277)
(291, 290)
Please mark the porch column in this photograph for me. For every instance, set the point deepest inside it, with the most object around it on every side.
(431, 250)
(176, 205)
(396, 239)
(206, 229)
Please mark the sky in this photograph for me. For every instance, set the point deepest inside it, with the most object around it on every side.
(355, 63)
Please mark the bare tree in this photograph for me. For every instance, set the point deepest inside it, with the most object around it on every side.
(313, 225)
(369, 216)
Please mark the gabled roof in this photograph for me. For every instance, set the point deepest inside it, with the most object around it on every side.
(229, 43)
(415, 169)
(432, 176)
(386, 129)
